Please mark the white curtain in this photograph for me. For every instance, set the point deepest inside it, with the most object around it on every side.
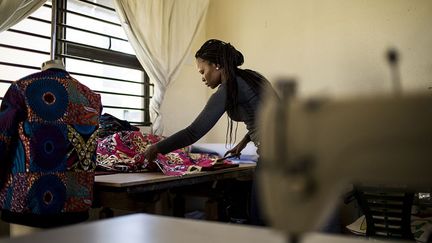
(161, 33)
(13, 11)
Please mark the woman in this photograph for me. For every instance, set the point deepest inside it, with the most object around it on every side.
(238, 92)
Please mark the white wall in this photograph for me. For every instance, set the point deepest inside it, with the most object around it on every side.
(332, 47)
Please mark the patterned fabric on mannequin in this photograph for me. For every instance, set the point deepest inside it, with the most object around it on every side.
(48, 138)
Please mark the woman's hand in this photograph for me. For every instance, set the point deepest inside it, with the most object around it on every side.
(239, 147)
(150, 153)
(236, 151)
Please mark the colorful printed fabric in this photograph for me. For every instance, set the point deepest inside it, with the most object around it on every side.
(48, 138)
(178, 164)
(123, 152)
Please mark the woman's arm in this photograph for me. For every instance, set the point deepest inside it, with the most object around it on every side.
(208, 117)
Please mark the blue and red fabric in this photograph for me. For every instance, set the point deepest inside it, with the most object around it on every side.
(48, 131)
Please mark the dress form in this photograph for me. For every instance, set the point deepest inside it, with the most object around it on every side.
(55, 63)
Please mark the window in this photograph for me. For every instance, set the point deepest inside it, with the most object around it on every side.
(94, 48)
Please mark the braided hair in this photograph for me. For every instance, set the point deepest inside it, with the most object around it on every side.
(229, 59)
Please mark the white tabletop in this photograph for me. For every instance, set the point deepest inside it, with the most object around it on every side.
(146, 228)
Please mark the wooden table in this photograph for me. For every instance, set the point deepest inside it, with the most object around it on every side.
(134, 191)
(150, 181)
(144, 228)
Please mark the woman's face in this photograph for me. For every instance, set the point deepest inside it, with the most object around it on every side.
(210, 73)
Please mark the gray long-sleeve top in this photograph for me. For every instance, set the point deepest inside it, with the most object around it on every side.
(248, 102)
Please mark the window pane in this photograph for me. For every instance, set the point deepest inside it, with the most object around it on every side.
(13, 73)
(103, 70)
(122, 46)
(119, 86)
(26, 41)
(3, 88)
(130, 115)
(101, 84)
(34, 26)
(22, 57)
(89, 24)
(87, 38)
(95, 25)
(43, 12)
(94, 11)
(122, 101)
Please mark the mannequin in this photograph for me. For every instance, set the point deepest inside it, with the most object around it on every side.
(48, 151)
(56, 63)
(53, 62)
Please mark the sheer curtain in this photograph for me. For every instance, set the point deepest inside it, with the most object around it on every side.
(161, 33)
(13, 11)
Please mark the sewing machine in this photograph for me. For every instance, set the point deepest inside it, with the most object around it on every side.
(311, 149)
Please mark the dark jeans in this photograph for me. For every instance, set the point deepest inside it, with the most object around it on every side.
(256, 215)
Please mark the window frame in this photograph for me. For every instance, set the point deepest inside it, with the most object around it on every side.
(66, 49)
